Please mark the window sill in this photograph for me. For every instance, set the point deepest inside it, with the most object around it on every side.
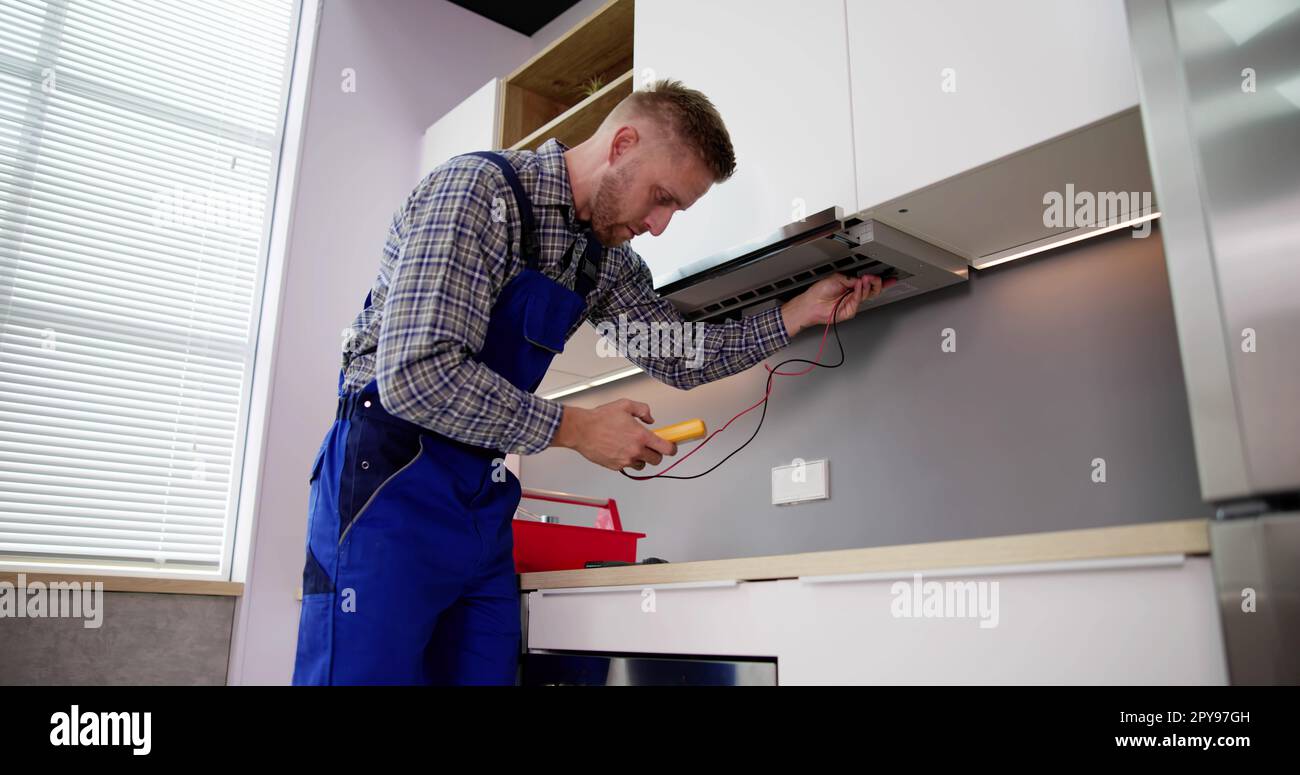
(135, 583)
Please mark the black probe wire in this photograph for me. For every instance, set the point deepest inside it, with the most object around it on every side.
(772, 373)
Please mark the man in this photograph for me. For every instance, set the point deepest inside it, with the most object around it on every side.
(493, 262)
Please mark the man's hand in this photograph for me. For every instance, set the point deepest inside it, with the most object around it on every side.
(813, 306)
(613, 435)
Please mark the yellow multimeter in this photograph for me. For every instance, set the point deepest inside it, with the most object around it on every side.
(682, 431)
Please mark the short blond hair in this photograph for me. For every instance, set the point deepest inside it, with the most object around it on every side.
(689, 117)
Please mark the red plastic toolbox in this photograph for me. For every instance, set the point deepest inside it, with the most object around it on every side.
(541, 546)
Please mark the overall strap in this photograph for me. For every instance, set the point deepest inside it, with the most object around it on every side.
(365, 305)
(528, 244)
(587, 274)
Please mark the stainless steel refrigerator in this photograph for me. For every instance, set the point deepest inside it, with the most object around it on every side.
(1220, 93)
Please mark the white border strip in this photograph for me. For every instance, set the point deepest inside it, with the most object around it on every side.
(638, 587)
(1065, 566)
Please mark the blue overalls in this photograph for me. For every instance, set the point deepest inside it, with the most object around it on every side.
(410, 575)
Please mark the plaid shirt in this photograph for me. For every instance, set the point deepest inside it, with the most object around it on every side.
(444, 262)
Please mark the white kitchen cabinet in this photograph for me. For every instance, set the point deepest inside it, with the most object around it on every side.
(1133, 620)
(940, 87)
(470, 126)
(778, 73)
(1129, 621)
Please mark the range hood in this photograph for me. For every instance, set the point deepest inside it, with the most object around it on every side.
(759, 275)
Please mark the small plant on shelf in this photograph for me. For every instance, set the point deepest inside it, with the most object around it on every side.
(591, 86)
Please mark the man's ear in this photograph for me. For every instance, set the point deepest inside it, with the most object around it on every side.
(625, 139)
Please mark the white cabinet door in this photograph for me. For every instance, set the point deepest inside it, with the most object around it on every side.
(1139, 621)
(941, 86)
(712, 617)
(470, 126)
(778, 73)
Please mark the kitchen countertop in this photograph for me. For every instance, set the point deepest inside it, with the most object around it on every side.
(1188, 537)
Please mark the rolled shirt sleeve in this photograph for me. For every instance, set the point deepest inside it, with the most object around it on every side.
(717, 349)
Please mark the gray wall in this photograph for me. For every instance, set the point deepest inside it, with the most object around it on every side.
(144, 639)
(1061, 358)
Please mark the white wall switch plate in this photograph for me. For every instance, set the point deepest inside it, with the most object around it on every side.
(802, 480)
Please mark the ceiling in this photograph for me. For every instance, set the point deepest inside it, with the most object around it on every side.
(526, 18)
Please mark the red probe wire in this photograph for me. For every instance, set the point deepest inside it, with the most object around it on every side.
(766, 395)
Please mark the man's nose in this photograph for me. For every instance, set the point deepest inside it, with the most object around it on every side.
(658, 221)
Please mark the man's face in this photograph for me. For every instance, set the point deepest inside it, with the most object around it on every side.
(643, 187)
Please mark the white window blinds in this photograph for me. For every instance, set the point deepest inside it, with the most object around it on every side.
(138, 148)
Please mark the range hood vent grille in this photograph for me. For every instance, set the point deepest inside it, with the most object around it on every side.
(787, 288)
(760, 275)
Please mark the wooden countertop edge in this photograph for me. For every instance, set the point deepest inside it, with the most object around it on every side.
(1190, 536)
(134, 583)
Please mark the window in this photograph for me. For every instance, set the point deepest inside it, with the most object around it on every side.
(139, 143)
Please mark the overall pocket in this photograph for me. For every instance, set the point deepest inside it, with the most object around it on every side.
(320, 455)
(545, 329)
(547, 316)
(379, 456)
